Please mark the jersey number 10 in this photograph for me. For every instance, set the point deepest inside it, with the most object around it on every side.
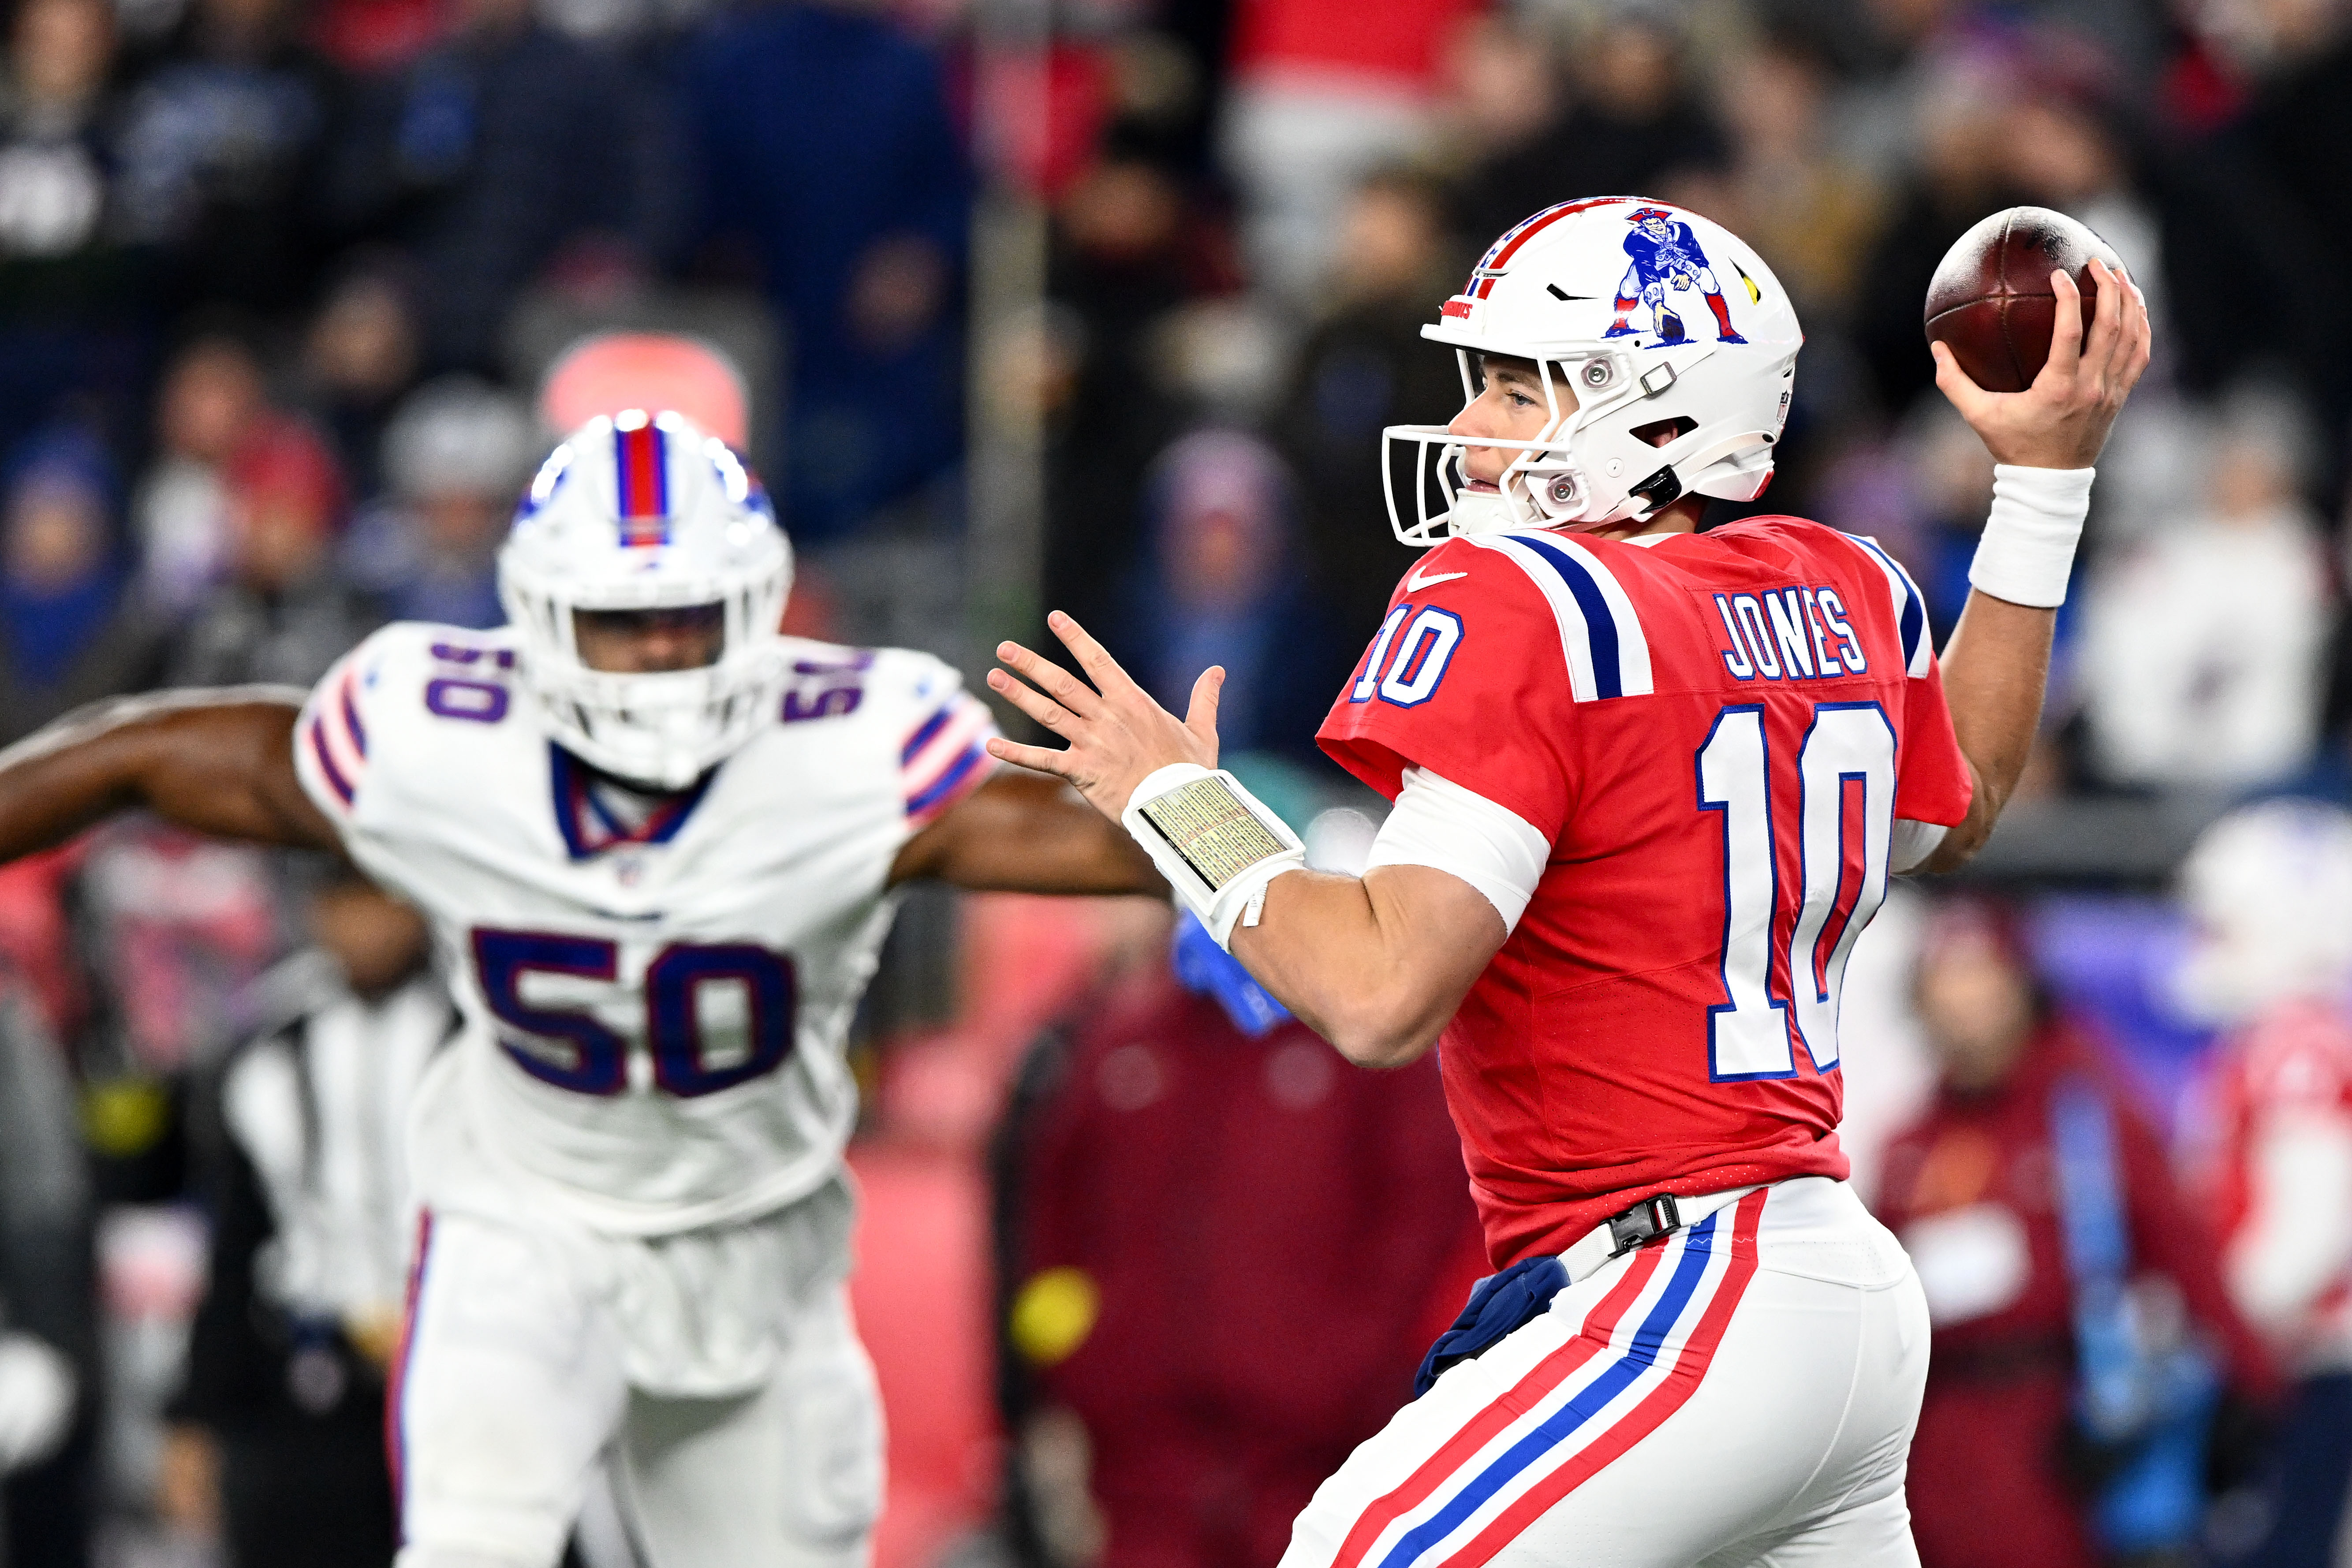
(1845, 770)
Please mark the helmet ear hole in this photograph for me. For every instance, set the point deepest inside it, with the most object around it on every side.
(1664, 432)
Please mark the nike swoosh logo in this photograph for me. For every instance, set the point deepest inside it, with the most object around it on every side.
(1415, 582)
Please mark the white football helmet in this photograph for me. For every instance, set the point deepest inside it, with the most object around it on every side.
(2270, 889)
(644, 512)
(1660, 321)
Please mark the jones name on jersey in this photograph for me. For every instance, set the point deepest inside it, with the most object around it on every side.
(655, 1001)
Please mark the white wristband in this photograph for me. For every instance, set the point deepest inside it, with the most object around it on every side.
(2028, 549)
(1216, 843)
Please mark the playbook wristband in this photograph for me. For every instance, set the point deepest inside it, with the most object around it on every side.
(2027, 552)
(1216, 843)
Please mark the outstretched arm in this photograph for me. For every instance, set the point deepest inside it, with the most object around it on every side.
(1021, 833)
(1375, 965)
(220, 762)
(1997, 663)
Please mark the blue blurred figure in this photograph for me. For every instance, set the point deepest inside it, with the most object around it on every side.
(823, 143)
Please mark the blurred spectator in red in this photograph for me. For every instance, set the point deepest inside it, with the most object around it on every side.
(278, 1446)
(1322, 93)
(220, 151)
(71, 293)
(1990, 1194)
(484, 157)
(2270, 891)
(455, 458)
(1228, 1250)
(822, 144)
(211, 399)
(283, 615)
(358, 357)
(69, 631)
(49, 1362)
(2227, 694)
(1635, 123)
(1365, 365)
(1226, 588)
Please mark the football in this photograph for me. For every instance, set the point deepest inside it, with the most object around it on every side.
(1990, 300)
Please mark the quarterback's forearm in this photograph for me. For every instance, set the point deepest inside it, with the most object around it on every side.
(1377, 965)
(220, 762)
(1995, 669)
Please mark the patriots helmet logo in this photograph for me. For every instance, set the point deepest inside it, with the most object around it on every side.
(1665, 258)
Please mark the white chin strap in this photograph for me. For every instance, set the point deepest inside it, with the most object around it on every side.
(1483, 512)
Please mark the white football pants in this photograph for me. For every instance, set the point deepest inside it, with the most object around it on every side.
(514, 1386)
(1740, 1392)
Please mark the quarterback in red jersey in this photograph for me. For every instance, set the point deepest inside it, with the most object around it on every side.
(1649, 786)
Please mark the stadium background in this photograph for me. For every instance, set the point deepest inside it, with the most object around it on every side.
(1098, 304)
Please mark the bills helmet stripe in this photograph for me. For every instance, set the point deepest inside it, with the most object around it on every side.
(1600, 635)
(1482, 280)
(641, 456)
(1910, 607)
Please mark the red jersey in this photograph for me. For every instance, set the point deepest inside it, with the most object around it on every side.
(1716, 733)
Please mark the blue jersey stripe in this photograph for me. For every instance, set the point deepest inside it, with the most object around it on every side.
(1608, 673)
(1913, 621)
(946, 783)
(1589, 1401)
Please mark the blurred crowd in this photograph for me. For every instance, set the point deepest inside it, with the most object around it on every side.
(294, 294)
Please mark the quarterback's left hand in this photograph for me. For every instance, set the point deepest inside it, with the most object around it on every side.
(1118, 735)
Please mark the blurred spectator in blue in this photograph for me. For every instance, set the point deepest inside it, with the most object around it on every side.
(49, 1308)
(455, 457)
(823, 145)
(1225, 587)
(359, 355)
(277, 1445)
(485, 157)
(71, 312)
(283, 614)
(72, 631)
(2270, 891)
(211, 399)
(2058, 1257)
(2202, 639)
(1365, 365)
(1635, 121)
(219, 152)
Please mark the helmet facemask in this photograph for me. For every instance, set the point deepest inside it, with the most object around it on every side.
(717, 546)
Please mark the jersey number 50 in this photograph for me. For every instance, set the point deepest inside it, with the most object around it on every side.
(673, 993)
(1845, 793)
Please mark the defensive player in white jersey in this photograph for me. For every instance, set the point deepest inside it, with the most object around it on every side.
(1649, 785)
(657, 841)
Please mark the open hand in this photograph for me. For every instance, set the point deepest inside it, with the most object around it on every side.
(2062, 419)
(1118, 735)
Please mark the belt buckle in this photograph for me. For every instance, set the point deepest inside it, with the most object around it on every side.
(1645, 1221)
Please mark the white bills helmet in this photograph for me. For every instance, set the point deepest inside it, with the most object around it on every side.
(2268, 888)
(642, 512)
(1677, 342)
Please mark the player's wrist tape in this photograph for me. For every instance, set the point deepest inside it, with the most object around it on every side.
(1216, 843)
(2028, 549)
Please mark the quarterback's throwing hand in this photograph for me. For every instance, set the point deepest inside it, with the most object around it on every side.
(1118, 735)
(2062, 419)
